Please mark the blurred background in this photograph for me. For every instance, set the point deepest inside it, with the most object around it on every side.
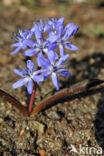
(68, 125)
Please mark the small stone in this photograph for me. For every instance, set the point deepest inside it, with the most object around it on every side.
(9, 105)
(92, 61)
(3, 141)
(1, 120)
(23, 103)
(42, 152)
(22, 132)
(53, 115)
(28, 135)
(38, 126)
(51, 131)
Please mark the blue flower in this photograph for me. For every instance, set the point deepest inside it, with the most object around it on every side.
(56, 22)
(41, 46)
(43, 27)
(61, 37)
(22, 41)
(29, 76)
(52, 68)
(38, 46)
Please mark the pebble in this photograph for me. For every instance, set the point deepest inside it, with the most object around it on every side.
(53, 115)
(35, 125)
(9, 105)
(23, 103)
(1, 120)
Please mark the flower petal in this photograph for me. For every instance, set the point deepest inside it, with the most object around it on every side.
(30, 66)
(42, 61)
(60, 30)
(40, 71)
(31, 33)
(38, 34)
(69, 26)
(71, 29)
(55, 80)
(52, 56)
(53, 46)
(46, 75)
(62, 60)
(61, 48)
(38, 78)
(16, 50)
(40, 25)
(29, 52)
(19, 72)
(63, 72)
(30, 86)
(33, 28)
(60, 21)
(15, 44)
(52, 37)
(19, 83)
(29, 43)
(65, 36)
(71, 46)
(47, 27)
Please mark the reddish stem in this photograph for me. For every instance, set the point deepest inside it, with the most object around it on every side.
(31, 101)
(32, 98)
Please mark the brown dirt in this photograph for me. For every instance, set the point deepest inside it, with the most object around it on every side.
(78, 120)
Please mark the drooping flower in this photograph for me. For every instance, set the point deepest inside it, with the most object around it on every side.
(52, 68)
(62, 36)
(29, 75)
(22, 39)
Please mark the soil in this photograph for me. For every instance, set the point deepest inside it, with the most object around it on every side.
(78, 121)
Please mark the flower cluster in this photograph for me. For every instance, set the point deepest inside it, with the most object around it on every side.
(44, 48)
